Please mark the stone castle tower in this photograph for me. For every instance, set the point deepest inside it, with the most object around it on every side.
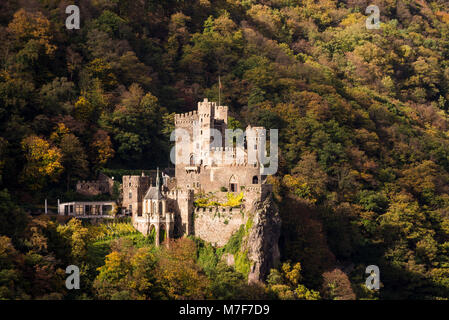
(134, 188)
(208, 162)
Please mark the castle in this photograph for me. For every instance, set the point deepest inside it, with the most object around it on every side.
(103, 185)
(204, 166)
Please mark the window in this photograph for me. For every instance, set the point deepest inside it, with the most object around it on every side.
(233, 187)
(255, 180)
(130, 195)
(130, 208)
(160, 207)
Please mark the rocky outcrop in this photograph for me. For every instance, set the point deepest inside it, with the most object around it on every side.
(261, 243)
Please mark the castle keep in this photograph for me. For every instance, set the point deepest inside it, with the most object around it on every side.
(205, 167)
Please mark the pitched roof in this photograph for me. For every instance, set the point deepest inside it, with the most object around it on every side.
(154, 193)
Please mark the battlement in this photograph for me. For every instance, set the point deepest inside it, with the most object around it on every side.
(91, 188)
(181, 116)
(186, 119)
(259, 191)
(221, 108)
(136, 181)
(220, 210)
(206, 109)
(221, 149)
(179, 193)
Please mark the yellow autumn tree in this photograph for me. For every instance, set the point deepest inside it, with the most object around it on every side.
(103, 148)
(60, 130)
(32, 26)
(43, 162)
(83, 108)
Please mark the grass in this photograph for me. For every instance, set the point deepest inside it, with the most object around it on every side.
(112, 230)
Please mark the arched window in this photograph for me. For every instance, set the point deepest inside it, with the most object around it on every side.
(233, 184)
(192, 160)
(154, 207)
(255, 180)
(160, 208)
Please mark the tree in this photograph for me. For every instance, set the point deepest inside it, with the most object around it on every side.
(13, 220)
(77, 237)
(56, 94)
(136, 126)
(285, 283)
(43, 162)
(74, 158)
(10, 276)
(128, 273)
(337, 286)
(179, 276)
(102, 149)
(30, 28)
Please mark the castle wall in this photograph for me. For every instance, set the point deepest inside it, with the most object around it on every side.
(104, 184)
(211, 179)
(217, 225)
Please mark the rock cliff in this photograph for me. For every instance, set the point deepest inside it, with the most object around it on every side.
(261, 243)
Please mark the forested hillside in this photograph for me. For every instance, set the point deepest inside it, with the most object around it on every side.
(362, 114)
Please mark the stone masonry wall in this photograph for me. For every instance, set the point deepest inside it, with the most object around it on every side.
(216, 225)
